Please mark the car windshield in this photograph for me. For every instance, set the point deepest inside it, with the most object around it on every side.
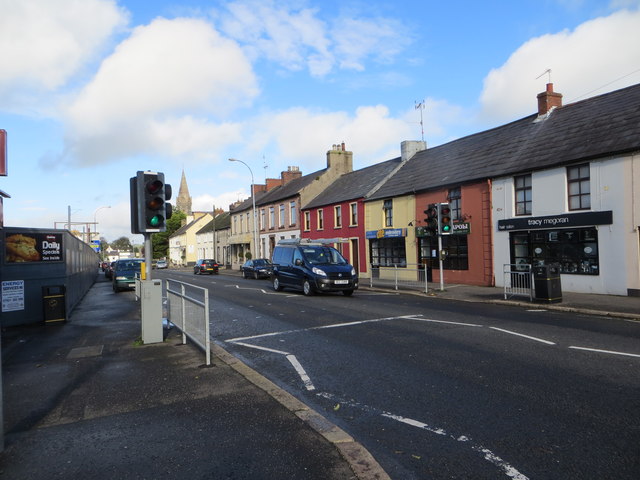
(209, 262)
(260, 262)
(127, 265)
(323, 256)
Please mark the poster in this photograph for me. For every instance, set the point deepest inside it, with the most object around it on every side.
(33, 247)
(12, 295)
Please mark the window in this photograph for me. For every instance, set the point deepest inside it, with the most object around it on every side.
(272, 217)
(262, 219)
(388, 213)
(457, 252)
(307, 220)
(387, 252)
(281, 224)
(523, 194)
(249, 224)
(293, 216)
(579, 186)
(455, 203)
(241, 224)
(353, 219)
(574, 249)
(235, 224)
(320, 219)
(337, 211)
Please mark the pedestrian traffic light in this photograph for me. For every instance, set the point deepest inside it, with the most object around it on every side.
(432, 218)
(150, 207)
(444, 219)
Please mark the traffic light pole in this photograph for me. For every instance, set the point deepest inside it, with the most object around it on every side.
(148, 256)
(441, 263)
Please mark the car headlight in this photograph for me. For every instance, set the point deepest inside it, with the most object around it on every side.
(353, 272)
(121, 278)
(318, 271)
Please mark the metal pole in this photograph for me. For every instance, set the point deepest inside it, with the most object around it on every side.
(255, 217)
(441, 263)
(147, 255)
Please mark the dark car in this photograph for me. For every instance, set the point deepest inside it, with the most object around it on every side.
(258, 268)
(124, 273)
(108, 271)
(206, 266)
(312, 267)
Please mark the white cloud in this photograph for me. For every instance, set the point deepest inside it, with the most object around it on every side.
(145, 96)
(302, 135)
(298, 39)
(597, 57)
(43, 43)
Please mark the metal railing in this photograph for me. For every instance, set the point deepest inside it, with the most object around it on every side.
(188, 309)
(396, 276)
(518, 280)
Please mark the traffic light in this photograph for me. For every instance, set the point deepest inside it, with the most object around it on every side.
(432, 218)
(444, 219)
(150, 207)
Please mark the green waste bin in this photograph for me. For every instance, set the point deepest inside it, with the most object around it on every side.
(546, 280)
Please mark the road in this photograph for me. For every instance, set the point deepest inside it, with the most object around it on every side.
(437, 389)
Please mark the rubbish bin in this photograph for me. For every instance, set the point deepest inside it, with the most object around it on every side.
(54, 303)
(546, 280)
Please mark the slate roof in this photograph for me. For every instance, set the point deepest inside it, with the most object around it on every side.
(356, 184)
(290, 189)
(223, 221)
(247, 203)
(597, 127)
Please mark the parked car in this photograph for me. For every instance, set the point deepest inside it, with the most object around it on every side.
(161, 264)
(124, 273)
(312, 267)
(206, 265)
(108, 271)
(258, 268)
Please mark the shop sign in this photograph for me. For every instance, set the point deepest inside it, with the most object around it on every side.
(462, 228)
(584, 219)
(33, 247)
(387, 233)
(12, 295)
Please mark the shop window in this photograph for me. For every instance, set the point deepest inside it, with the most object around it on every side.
(574, 249)
(579, 187)
(388, 252)
(457, 252)
(523, 194)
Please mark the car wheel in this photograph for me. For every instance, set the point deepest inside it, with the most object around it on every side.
(195, 272)
(347, 293)
(276, 284)
(255, 275)
(244, 274)
(306, 288)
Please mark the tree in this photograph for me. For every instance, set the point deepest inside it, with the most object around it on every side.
(122, 243)
(160, 241)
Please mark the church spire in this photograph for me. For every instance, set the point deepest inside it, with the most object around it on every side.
(183, 201)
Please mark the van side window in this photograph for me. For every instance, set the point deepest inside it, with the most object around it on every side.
(297, 256)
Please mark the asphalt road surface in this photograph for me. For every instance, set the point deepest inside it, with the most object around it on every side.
(439, 389)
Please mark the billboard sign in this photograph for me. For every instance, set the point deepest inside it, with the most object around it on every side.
(33, 247)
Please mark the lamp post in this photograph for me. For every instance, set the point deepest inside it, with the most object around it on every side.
(95, 222)
(253, 198)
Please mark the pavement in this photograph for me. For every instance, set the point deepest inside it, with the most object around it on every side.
(85, 399)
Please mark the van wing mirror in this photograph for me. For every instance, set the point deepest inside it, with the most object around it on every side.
(299, 262)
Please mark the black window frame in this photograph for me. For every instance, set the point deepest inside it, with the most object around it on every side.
(579, 187)
(523, 194)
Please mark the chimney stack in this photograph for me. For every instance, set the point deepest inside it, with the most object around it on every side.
(291, 174)
(548, 100)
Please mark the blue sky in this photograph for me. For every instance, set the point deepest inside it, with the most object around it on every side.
(92, 91)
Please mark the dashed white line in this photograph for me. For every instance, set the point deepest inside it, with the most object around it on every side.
(523, 335)
(606, 351)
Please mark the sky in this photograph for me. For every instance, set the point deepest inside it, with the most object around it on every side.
(92, 91)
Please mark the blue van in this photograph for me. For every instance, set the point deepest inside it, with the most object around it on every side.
(311, 267)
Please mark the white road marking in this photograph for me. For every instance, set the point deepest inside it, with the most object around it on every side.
(606, 351)
(524, 336)
(447, 321)
(303, 374)
(487, 454)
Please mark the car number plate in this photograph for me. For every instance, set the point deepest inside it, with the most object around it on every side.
(342, 282)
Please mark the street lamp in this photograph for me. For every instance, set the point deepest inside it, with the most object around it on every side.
(95, 223)
(255, 217)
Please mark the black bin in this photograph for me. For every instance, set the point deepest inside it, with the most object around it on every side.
(54, 303)
(546, 280)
